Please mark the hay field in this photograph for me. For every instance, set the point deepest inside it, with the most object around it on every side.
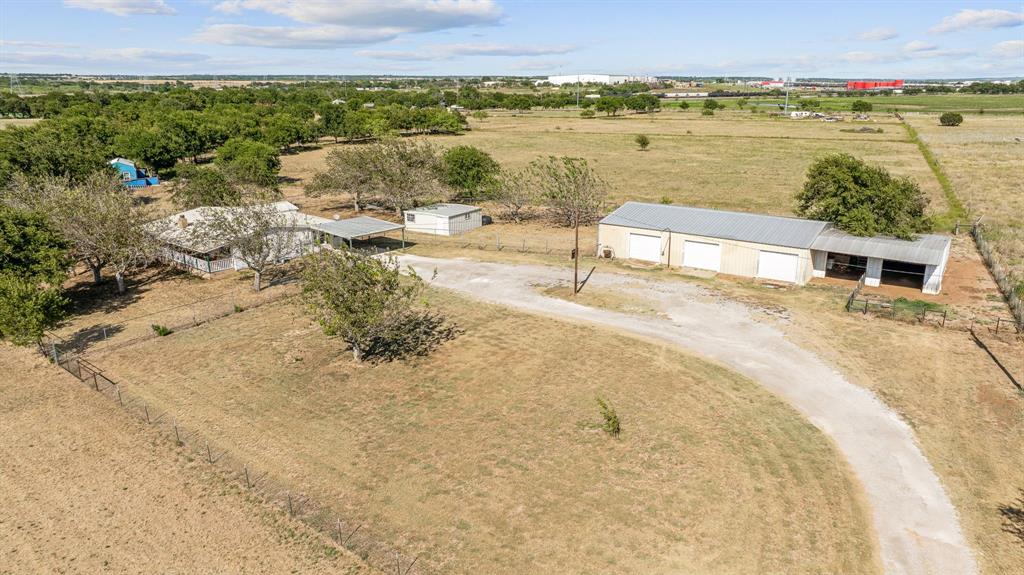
(486, 456)
(733, 160)
(89, 489)
(984, 159)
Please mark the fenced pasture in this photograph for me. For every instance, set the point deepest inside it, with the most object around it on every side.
(491, 473)
(733, 160)
(89, 490)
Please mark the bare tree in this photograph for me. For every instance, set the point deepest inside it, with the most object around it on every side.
(398, 172)
(571, 188)
(346, 173)
(100, 218)
(515, 191)
(257, 232)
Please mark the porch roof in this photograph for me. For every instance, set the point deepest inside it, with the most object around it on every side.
(926, 249)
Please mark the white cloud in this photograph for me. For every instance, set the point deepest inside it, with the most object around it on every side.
(918, 46)
(877, 35)
(451, 51)
(124, 56)
(34, 44)
(123, 7)
(1010, 49)
(985, 19)
(346, 22)
(292, 37)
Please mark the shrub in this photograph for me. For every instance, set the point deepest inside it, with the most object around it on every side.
(588, 113)
(611, 425)
(951, 119)
(666, 200)
(861, 106)
(238, 308)
(468, 169)
(707, 112)
(161, 330)
(643, 141)
(480, 115)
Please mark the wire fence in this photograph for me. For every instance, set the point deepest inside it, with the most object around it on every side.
(999, 273)
(357, 535)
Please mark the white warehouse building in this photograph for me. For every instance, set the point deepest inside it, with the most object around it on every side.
(597, 79)
(775, 248)
(443, 219)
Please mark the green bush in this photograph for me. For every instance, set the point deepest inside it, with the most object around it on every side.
(160, 330)
(611, 424)
(643, 141)
(951, 119)
(667, 200)
(587, 113)
(707, 112)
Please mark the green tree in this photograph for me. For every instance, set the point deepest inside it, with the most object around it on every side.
(34, 260)
(861, 199)
(249, 162)
(367, 303)
(951, 119)
(712, 104)
(741, 103)
(643, 141)
(861, 106)
(197, 186)
(332, 120)
(468, 169)
(610, 105)
(587, 113)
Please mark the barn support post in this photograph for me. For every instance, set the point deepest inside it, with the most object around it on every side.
(403, 238)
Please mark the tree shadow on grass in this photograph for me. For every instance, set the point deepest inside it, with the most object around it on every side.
(1013, 517)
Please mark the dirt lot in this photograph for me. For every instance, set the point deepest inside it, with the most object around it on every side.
(733, 160)
(486, 456)
(89, 490)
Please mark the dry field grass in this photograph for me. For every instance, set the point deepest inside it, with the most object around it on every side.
(88, 490)
(486, 456)
(733, 160)
(984, 159)
(967, 415)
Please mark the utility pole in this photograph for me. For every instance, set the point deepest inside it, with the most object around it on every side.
(576, 260)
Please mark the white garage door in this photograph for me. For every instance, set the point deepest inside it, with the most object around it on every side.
(777, 266)
(701, 255)
(647, 248)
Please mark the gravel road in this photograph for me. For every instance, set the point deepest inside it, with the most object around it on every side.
(917, 526)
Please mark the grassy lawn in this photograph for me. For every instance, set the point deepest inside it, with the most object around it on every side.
(998, 103)
(486, 457)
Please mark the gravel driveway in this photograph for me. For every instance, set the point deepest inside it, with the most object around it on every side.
(917, 526)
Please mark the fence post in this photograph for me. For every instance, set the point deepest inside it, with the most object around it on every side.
(53, 352)
(177, 437)
(209, 453)
(248, 484)
(944, 312)
(119, 400)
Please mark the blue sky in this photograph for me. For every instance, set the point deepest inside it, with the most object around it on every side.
(834, 39)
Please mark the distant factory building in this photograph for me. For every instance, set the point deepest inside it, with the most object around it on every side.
(597, 79)
(874, 85)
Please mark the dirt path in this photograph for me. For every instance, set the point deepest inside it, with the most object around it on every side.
(917, 525)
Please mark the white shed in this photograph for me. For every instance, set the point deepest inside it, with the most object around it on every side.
(443, 219)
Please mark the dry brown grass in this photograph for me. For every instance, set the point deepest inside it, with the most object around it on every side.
(87, 489)
(984, 159)
(486, 458)
(968, 417)
(733, 160)
(4, 122)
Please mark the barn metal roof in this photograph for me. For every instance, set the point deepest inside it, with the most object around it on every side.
(356, 228)
(449, 210)
(927, 249)
(739, 226)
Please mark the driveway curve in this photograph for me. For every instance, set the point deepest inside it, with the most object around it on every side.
(917, 526)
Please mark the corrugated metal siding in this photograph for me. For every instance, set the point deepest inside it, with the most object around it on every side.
(357, 227)
(754, 228)
(448, 210)
(927, 249)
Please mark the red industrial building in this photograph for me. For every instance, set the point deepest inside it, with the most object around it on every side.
(874, 85)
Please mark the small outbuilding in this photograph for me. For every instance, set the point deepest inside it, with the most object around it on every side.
(443, 219)
(132, 175)
(774, 248)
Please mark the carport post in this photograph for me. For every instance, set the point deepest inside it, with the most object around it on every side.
(403, 238)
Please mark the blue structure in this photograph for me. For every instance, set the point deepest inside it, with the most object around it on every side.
(132, 175)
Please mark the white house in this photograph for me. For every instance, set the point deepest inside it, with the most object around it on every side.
(443, 219)
(188, 243)
(800, 114)
(790, 250)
